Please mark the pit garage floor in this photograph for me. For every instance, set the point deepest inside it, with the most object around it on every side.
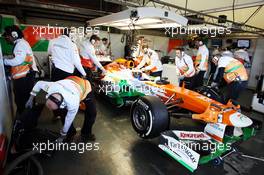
(122, 152)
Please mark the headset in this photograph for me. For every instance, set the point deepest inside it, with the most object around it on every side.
(215, 59)
(182, 53)
(14, 34)
(13, 31)
(60, 103)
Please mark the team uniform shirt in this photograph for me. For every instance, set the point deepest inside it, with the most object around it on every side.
(242, 56)
(87, 51)
(65, 55)
(233, 69)
(70, 91)
(185, 65)
(104, 49)
(21, 51)
(136, 52)
(201, 61)
(152, 60)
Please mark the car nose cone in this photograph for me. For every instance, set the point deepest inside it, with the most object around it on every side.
(240, 120)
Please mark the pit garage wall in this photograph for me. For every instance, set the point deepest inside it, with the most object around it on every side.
(257, 64)
(5, 107)
(117, 47)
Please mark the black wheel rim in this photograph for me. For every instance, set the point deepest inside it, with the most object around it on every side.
(140, 118)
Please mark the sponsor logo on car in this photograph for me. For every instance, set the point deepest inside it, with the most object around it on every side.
(180, 152)
(146, 107)
(191, 135)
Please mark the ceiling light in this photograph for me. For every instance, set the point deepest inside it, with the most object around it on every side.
(141, 18)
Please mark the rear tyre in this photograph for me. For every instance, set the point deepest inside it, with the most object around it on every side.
(149, 117)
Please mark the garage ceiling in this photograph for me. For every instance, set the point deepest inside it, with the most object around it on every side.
(77, 11)
(243, 9)
(80, 10)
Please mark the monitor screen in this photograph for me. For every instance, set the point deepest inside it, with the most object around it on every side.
(241, 43)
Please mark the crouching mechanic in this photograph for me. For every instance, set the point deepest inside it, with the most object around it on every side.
(67, 94)
(234, 73)
(185, 65)
(152, 62)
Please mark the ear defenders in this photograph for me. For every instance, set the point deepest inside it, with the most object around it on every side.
(215, 59)
(182, 54)
(60, 103)
(14, 34)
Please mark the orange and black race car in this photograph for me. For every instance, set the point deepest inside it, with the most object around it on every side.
(154, 101)
(121, 83)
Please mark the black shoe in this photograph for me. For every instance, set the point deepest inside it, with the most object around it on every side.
(70, 136)
(89, 137)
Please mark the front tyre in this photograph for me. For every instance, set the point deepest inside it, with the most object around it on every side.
(149, 117)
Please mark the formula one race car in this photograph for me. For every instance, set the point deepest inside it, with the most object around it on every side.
(155, 100)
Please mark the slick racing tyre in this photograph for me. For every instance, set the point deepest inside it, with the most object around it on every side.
(149, 117)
